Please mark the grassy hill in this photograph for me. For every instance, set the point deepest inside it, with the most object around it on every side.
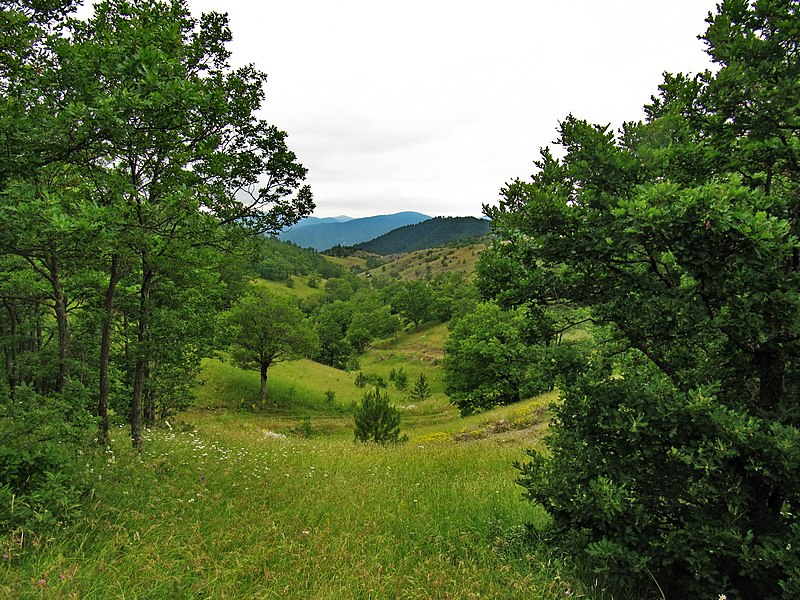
(228, 502)
(430, 262)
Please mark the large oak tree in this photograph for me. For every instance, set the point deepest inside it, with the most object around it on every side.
(676, 458)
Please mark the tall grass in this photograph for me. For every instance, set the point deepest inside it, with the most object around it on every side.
(241, 501)
(234, 510)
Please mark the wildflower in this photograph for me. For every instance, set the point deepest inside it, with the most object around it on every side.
(42, 582)
(5, 556)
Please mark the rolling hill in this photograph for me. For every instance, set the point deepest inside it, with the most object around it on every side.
(432, 233)
(322, 236)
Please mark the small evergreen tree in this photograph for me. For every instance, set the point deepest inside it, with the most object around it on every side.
(401, 380)
(360, 380)
(376, 420)
(421, 389)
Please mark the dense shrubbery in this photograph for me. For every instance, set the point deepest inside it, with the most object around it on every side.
(42, 439)
(493, 357)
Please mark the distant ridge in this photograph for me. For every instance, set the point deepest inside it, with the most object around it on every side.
(432, 233)
(322, 236)
(318, 221)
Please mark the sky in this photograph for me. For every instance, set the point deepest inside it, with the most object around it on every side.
(433, 105)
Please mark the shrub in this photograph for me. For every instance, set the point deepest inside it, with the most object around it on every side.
(40, 441)
(376, 380)
(401, 380)
(421, 389)
(667, 490)
(360, 380)
(376, 420)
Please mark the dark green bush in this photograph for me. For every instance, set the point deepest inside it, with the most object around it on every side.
(376, 420)
(42, 439)
(668, 492)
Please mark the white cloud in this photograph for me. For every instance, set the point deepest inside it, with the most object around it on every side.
(433, 105)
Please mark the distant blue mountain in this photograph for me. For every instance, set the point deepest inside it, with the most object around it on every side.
(318, 221)
(324, 235)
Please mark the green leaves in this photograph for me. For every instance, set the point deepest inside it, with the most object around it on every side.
(376, 420)
(680, 236)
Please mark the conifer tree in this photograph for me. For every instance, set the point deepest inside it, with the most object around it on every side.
(376, 420)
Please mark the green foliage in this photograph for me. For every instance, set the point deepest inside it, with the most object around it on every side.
(278, 260)
(421, 390)
(331, 322)
(376, 420)
(374, 379)
(347, 327)
(330, 396)
(360, 380)
(41, 472)
(266, 329)
(401, 380)
(487, 362)
(412, 300)
(673, 458)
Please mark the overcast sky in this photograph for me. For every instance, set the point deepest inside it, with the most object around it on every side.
(433, 105)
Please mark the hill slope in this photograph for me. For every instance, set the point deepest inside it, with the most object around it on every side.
(432, 233)
(424, 264)
(322, 236)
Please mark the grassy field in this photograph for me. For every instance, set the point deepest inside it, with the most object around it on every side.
(229, 502)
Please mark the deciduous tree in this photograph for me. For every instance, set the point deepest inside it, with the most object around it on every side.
(674, 458)
(266, 329)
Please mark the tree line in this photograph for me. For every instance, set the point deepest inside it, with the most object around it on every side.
(133, 169)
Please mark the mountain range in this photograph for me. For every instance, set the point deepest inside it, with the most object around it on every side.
(325, 233)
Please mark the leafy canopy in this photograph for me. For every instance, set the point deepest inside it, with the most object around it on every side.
(675, 457)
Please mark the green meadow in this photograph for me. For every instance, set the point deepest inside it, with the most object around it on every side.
(231, 500)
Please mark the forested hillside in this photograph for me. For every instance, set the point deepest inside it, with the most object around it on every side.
(322, 236)
(433, 233)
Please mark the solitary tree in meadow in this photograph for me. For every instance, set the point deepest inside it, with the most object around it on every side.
(266, 329)
(421, 389)
(376, 420)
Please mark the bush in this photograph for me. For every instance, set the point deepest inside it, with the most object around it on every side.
(360, 380)
(667, 492)
(376, 420)
(376, 380)
(401, 380)
(40, 441)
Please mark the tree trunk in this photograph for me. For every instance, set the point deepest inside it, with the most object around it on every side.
(10, 350)
(264, 367)
(140, 373)
(60, 307)
(105, 349)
